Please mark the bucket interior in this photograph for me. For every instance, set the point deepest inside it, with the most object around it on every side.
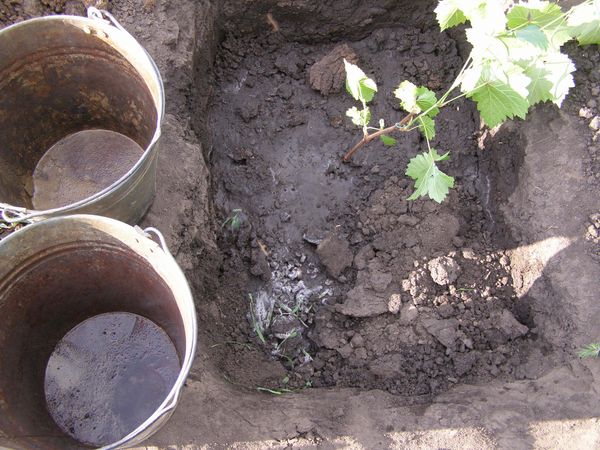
(59, 76)
(48, 294)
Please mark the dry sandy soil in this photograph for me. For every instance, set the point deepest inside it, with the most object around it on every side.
(391, 324)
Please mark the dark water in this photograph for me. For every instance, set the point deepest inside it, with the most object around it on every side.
(81, 165)
(108, 375)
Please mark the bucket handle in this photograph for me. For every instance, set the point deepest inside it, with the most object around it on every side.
(11, 216)
(99, 14)
(148, 232)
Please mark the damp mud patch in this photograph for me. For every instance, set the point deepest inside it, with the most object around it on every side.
(329, 275)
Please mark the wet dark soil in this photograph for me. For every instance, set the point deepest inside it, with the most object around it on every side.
(328, 269)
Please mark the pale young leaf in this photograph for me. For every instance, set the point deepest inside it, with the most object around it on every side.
(407, 94)
(360, 117)
(358, 85)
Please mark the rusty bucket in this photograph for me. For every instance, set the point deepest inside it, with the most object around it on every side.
(63, 75)
(59, 273)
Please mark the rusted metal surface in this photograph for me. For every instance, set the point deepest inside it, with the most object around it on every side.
(63, 74)
(59, 272)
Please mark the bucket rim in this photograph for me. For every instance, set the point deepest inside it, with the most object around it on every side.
(112, 33)
(152, 423)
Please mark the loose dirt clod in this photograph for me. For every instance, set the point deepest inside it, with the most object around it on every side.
(335, 254)
(327, 75)
(443, 270)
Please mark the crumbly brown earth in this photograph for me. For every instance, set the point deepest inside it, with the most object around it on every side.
(415, 325)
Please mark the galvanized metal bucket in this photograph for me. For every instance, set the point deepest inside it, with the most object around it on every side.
(55, 274)
(64, 74)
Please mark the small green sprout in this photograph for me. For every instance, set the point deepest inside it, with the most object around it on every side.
(590, 351)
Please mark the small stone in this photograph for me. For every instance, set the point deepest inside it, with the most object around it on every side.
(406, 285)
(345, 351)
(338, 413)
(595, 123)
(357, 341)
(508, 325)
(443, 270)
(249, 110)
(592, 103)
(290, 64)
(395, 303)
(364, 255)
(313, 236)
(445, 311)
(380, 280)
(408, 314)
(335, 254)
(468, 253)
(445, 331)
(504, 261)
(407, 219)
(468, 343)
(458, 242)
(362, 302)
(285, 91)
(361, 353)
(586, 113)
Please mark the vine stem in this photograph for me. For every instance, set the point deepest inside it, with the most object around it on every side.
(369, 137)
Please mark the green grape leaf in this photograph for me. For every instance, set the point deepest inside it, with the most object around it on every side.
(542, 13)
(585, 23)
(360, 117)
(534, 35)
(548, 16)
(427, 127)
(358, 85)
(497, 101)
(426, 100)
(540, 86)
(499, 90)
(449, 14)
(368, 88)
(429, 180)
(387, 140)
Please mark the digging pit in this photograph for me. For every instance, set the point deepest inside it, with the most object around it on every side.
(384, 323)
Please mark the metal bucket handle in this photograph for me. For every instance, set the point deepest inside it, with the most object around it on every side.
(10, 215)
(170, 403)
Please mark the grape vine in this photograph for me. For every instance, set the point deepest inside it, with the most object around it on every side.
(515, 63)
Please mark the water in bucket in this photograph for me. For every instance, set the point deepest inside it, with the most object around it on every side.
(81, 165)
(108, 375)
